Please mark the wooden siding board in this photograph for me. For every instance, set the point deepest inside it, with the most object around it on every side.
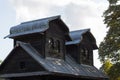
(56, 33)
(13, 66)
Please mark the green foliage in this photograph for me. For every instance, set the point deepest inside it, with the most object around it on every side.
(110, 47)
(109, 50)
(114, 72)
(106, 66)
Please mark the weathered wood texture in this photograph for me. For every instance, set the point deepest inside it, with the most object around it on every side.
(20, 62)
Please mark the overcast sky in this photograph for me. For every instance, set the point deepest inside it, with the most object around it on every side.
(77, 14)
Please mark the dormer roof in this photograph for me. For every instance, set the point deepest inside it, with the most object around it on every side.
(36, 26)
(77, 37)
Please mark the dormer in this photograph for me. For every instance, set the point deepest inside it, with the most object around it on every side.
(46, 35)
(82, 45)
(40, 48)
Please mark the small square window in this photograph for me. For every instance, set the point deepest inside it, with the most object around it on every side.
(22, 65)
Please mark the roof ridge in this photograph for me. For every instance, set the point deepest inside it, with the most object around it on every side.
(50, 18)
(88, 29)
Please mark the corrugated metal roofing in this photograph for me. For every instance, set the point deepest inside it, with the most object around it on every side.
(67, 66)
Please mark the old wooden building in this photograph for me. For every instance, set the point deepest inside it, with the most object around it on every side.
(81, 47)
(44, 49)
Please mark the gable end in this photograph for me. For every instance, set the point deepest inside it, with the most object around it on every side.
(19, 61)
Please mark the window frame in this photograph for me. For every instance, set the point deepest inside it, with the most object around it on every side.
(22, 65)
(84, 58)
(56, 49)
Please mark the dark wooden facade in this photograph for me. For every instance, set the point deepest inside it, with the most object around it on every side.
(20, 61)
(81, 47)
(45, 50)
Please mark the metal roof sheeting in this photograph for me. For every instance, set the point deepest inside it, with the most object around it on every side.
(36, 26)
(68, 66)
(76, 36)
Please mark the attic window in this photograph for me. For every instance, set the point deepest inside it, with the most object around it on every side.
(84, 56)
(53, 48)
(57, 46)
(22, 65)
(50, 43)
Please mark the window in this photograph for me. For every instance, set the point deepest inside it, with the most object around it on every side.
(53, 48)
(22, 65)
(57, 46)
(50, 44)
(84, 53)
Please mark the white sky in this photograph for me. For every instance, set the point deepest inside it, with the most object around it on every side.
(77, 14)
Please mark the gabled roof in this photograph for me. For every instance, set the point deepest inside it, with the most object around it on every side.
(67, 67)
(36, 26)
(77, 37)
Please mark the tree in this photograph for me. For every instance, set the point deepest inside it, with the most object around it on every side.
(111, 70)
(106, 66)
(109, 48)
(114, 72)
